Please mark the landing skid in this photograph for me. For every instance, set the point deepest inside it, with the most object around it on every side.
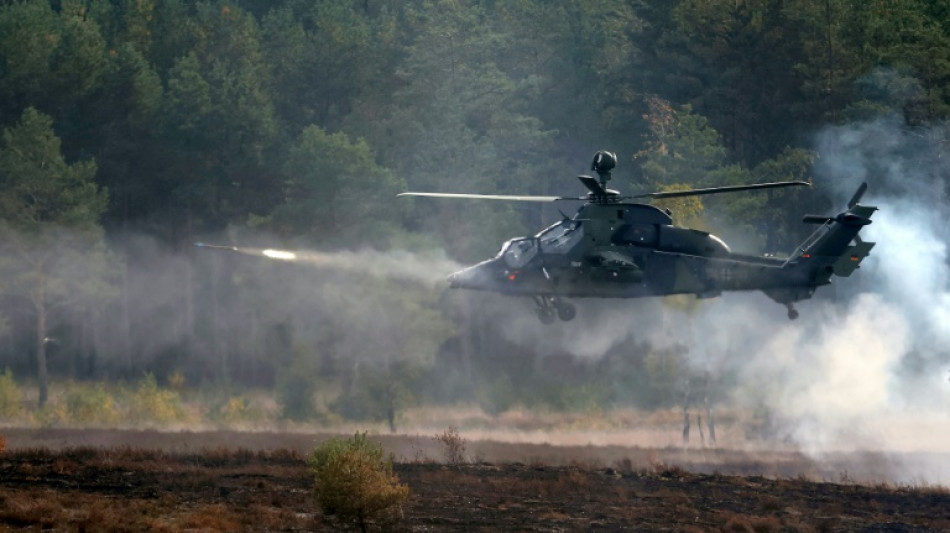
(550, 308)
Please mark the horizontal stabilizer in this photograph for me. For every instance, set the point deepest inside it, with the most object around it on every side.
(859, 215)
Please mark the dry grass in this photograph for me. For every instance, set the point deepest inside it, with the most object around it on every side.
(140, 490)
(215, 517)
(243, 489)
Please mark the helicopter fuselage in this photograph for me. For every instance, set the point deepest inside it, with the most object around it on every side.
(621, 251)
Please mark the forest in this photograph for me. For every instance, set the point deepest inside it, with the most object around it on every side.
(132, 129)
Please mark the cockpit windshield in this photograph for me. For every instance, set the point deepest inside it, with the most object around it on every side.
(561, 237)
(557, 239)
(518, 252)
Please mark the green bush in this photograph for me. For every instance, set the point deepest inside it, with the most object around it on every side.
(296, 385)
(236, 409)
(380, 393)
(149, 402)
(295, 397)
(10, 396)
(94, 405)
(354, 481)
(498, 396)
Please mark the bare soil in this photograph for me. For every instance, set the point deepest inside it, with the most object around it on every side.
(108, 480)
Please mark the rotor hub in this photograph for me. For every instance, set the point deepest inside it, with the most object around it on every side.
(610, 196)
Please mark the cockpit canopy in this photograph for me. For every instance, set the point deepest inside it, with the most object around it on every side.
(519, 252)
(559, 238)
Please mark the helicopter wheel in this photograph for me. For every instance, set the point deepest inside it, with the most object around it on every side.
(547, 315)
(566, 311)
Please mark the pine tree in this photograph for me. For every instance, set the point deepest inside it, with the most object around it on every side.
(52, 252)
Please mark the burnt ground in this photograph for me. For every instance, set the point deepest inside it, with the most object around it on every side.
(250, 486)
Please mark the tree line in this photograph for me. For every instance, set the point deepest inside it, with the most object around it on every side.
(134, 128)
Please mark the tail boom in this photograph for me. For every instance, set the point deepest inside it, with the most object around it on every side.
(834, 249)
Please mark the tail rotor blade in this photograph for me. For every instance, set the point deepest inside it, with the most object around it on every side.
(816, 219)
(857, 195)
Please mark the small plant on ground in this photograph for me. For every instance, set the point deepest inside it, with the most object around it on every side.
(10, 396)
(354, 481)
(453, 445)
(236, 409)
(91, 405)
(149, 402)
(296, 385)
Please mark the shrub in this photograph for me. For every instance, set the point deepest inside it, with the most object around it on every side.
(355, 482)
(453, 445)
(10, 396)
(236, 409)
(295, 396)
(499, 396)
(176, 380)
(380, 394)
(149, 402)
(296, 385)
(3, 443)
(94, 405)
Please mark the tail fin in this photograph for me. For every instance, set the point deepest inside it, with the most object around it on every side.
(835, 247)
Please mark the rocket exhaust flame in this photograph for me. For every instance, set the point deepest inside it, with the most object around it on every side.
(279, 254)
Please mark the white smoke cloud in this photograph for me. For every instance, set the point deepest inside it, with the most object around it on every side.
(829, 376)
(870, 372)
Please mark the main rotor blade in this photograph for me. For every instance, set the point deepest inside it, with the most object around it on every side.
(717, 190)
(510, 198)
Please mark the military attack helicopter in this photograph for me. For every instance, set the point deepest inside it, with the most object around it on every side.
(616, 247)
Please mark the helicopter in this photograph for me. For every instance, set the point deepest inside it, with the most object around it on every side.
(616, 246)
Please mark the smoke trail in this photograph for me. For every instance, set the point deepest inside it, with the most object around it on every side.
(429, 269)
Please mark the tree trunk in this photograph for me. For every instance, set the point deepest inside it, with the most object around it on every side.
(126, 359)
(220, 353)
(39, 303)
